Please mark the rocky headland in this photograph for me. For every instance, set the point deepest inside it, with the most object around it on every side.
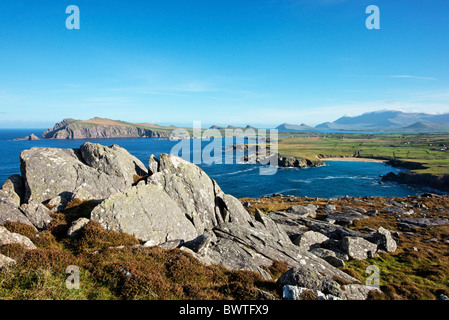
(97, 128)
(298, 245)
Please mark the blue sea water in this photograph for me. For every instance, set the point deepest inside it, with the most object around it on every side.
(337, 178)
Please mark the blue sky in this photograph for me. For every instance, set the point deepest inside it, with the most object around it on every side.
(220, 61)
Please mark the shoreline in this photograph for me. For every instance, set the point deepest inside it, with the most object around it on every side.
(354, 159)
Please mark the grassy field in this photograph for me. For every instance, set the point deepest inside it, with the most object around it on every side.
(426, 149)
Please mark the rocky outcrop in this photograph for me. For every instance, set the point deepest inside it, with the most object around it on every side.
(297, 162)
(30, 137)
(440, 182)
(51, 172)
(113, 160)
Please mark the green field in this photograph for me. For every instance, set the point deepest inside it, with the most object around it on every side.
(429, 150)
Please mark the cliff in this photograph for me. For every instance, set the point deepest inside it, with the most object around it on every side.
(103, 128)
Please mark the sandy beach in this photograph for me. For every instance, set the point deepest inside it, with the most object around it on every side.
(353, 159)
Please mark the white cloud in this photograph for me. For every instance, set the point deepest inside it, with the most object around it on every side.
(406, 76)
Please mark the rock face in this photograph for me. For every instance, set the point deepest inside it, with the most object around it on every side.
(296, 162)
(99, 128)
(113, 160)
(50, 172)
(147, 212)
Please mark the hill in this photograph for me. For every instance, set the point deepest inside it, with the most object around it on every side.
(286, 127)
(390, 120)
(103, 128)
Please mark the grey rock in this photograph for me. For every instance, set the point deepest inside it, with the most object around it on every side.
(289, 222)
(332, 231)
(258, 246)
(146, 212)
(7, 237)
(190, 187)
(358, 248)
(329, 208)
(172, 244)
(10, 212)
(425, 222)
(196, 194)
(6, 261)
(311, 279)
(51, 172)
(310, 239)
(77, 226)
(113, 160)
(372, 212)
(153, 165)
(335, 262)
(384, 240)
(60, 202)
(356, 292)
(37, 213)
(325, 288)
(13, 187)
(304, 211)
(345, 218)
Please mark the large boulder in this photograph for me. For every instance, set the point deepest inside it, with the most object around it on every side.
(52, 172)
(313, 279)
(384, 240)
(310, 239)
(7, 237)
(147, 212)
(196, 194)
(114, 161)
(358, 248)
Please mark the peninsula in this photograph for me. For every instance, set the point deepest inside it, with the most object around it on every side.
(100, 128)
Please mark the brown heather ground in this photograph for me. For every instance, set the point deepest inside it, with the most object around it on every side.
(174, 274)
(108, 272)
(407, 273)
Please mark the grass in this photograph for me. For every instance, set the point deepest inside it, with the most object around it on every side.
(422, 148)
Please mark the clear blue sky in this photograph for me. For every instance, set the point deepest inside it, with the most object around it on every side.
(261, 62)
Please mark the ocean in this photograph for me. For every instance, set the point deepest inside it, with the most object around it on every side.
(337, 178)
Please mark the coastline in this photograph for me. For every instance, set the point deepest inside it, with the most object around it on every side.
(354, 159)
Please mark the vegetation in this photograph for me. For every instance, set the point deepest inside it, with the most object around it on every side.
(114, 266)
(428, 149)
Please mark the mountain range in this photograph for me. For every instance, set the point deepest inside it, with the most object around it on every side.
(386, 120)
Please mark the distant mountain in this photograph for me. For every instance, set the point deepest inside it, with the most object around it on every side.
(286, 127)
(389, 120)
(428, 126)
